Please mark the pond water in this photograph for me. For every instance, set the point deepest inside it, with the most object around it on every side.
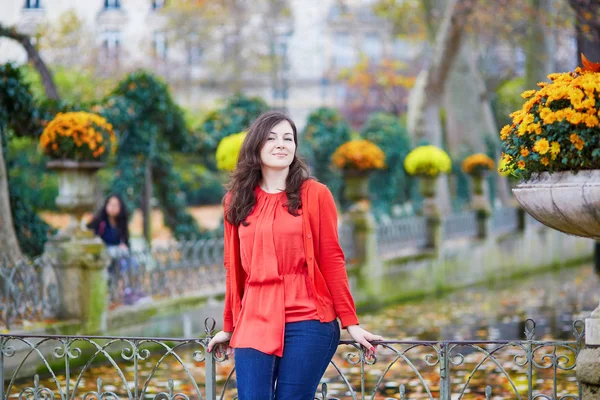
(489, 313)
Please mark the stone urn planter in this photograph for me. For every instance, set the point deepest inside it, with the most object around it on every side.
(76, 190)
(356, 185)
(564, 201)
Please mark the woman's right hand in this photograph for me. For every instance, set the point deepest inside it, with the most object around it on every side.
(221, 338)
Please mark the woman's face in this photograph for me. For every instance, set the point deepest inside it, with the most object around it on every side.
(113, 207)
(279, 149)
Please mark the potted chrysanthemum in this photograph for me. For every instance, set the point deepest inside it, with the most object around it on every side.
(78, 144)
(228, 151)
(356, 159)
(553, 146)
(427, 163)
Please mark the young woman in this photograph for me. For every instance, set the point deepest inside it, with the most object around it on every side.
(285, 271)
(110, 222)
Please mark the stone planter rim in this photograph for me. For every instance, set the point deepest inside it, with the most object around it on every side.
(72, 164)
(563, 200)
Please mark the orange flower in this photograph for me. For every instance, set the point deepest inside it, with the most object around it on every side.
(545, 161)
(524, 151)
(521, 164)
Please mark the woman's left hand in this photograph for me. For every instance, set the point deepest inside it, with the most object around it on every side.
(364, 338)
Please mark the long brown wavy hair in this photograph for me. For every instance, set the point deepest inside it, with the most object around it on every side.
(247, 174)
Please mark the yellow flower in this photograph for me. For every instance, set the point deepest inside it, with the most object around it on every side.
(505, 132)
(82, 129)
(477, 163)
(528, 93)
(541, 146)
(359, 154)
(427, 160)
(228, 151)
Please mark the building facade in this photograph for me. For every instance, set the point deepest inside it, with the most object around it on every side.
(311, 45)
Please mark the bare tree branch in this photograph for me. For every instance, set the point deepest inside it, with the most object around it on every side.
(33, 56)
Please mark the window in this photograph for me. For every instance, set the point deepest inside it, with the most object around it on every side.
(160, 45)
(373, 48)
(343, 54)
(29, 4)
(114, 4)
(195, 54)
(158, 4)
(111, 43)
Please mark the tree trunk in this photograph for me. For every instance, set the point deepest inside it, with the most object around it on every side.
(424, 102)
(539, 47)
(10, 245)
(34, 56)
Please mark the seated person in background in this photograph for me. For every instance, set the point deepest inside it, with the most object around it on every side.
(111, 223)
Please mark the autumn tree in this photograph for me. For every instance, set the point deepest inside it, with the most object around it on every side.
(238, 39)
(376, 86)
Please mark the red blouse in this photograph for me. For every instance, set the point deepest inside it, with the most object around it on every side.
(277, 289)
(328, 281)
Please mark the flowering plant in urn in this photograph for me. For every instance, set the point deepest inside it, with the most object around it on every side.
(228, 151)
(477, 165)
(357, 158)
(78, 143)
(78, 136)
(427, 162)
(358, 155)
(553, 144)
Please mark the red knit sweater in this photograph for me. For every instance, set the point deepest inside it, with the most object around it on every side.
(324, 258)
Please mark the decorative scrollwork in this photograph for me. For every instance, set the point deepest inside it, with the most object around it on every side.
(355, 359)
(66, 351)
(529, 329)
(99, 394)
(428, 357)
(171, 395)
(36, 392)
(129, 353)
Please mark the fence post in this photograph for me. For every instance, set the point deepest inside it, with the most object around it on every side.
(483, 223)
(588, 360)
(81, 269)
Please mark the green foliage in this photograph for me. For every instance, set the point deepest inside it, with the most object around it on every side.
(74, 85)
(508, 99)
(392, 185)
(31, 189)
(151, 126)
(18, 118)
(236, 116)
(200, 185)
(28, 167)
(324, 132)
(17, 106)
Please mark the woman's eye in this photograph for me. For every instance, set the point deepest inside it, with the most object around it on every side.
(271, 138)
(289, 140)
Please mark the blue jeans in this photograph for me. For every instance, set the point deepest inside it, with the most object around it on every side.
(308, 349)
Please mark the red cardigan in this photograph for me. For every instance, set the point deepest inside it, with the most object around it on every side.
(324, 257)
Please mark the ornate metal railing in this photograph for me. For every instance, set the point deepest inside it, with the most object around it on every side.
(505, 220)
(401, 233)
(461, 225)
(51, 367)
(166, 271)
(28, 291)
